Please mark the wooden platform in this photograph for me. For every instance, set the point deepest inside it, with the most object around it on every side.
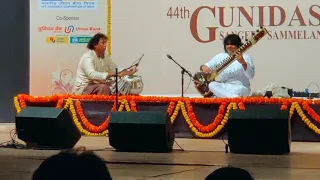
(199, 158)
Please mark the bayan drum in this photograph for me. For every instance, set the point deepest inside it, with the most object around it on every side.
(129, 85)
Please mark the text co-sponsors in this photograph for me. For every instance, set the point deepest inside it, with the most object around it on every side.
(67, 18)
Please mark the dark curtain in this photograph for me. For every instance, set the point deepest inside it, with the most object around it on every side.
(14, 55)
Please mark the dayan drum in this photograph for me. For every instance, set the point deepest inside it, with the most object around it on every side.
(129, 85)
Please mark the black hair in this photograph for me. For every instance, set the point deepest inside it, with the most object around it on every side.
(233, 39)
(72, 164)
(229, 173)
(95, 40)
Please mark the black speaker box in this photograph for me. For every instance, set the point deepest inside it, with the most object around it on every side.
(143, 131)
(262, 129)
(47, 127)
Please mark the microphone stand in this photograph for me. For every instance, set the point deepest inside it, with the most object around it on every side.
(116, 76)
(183, 71)
(117, 90)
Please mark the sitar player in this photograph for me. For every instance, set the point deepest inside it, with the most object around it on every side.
(234, 81)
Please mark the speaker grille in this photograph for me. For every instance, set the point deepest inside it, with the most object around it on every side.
(47, 127)
(141, 131)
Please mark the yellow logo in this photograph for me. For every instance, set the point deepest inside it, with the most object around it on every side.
(57, 40)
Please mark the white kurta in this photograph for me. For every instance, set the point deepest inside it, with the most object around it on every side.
(233, 81)
(92, 69)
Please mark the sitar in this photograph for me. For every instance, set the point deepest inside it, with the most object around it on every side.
(205, 78)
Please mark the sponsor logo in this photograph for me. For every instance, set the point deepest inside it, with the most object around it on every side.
(97, 29)
(57, 40)
(55, 29)
(69, 29)
(79, 39)
(67, 4)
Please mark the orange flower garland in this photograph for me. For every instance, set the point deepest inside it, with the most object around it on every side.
(175, 106)
(171, 107)
(60, 103)
(87, 124)
(203, 134)
(211, 126)
(176, 111)
(305, 119)
(133, 106)
(311, 112)
(241, 106)
(71, 108)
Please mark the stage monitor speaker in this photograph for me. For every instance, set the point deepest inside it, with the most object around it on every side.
(47, 127)
(263, 129)
(143, 131)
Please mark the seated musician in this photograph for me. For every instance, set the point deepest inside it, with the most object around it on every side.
(234, 80)
(96, 69)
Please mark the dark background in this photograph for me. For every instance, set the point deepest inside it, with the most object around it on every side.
(14, 52)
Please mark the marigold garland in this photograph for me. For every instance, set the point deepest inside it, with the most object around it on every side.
(16, 104)
(209, 128)
(175, 106)
(109, 26)
(241, 106)
(176, 111)
(60, 103)
(311, 112)
(171, 108)
(87, 124)
(133, 106)
(305, 119)
(206, 134)
(78, 124)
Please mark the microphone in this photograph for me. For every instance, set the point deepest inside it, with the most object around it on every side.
(188, 72)
(183, 71)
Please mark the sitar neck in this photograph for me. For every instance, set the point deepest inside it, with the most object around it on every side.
(226, 62)
(243, 48)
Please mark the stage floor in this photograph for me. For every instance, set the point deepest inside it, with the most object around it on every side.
(199, 158)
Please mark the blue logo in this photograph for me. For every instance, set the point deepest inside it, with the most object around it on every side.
(79, 39)
(69, 29)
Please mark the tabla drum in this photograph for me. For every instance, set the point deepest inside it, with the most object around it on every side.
(130, 85)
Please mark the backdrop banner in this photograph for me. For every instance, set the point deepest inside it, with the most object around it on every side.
(190, 31)
(59, 32)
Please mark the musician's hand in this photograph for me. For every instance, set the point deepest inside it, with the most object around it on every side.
(240, 59)
(123, 73)
(134, 70)
(130, 72)
(205, 69)
(110, 74)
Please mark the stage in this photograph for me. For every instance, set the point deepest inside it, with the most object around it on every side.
(199, 158)
(191, 117)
